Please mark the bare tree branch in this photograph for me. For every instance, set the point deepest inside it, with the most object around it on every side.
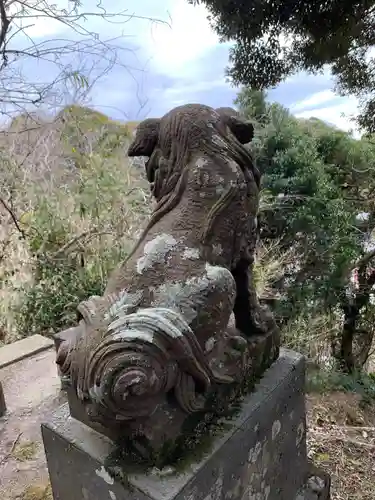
(361, 263)
(19, 93)
(13, 217)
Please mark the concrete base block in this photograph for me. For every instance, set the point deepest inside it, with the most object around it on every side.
(25, 348)
(260, 455)
(3, 407)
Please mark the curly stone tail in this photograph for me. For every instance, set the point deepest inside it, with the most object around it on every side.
(141, 356)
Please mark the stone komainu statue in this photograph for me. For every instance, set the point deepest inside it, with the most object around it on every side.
(155, 347)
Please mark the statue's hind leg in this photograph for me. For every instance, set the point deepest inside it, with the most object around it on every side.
(247, 309)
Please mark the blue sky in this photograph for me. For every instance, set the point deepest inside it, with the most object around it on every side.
(164, 65)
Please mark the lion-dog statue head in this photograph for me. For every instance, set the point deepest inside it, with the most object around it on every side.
(147, 134)
(161, 327)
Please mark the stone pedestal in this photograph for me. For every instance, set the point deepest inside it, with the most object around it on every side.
(260, 454)
(3, 407)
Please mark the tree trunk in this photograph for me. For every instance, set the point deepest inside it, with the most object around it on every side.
(352, 309)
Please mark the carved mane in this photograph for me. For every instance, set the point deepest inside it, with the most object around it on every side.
(185, 129)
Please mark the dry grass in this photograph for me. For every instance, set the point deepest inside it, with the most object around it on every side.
(71, 172)
(25, 451)
(37, 492)
(341, 440)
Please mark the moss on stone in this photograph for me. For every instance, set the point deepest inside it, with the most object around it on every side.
(199, 430)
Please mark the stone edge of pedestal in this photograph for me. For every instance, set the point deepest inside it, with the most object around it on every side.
(24, 348)
(99, 446)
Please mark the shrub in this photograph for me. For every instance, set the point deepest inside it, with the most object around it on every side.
(79, 203)
(51, 303)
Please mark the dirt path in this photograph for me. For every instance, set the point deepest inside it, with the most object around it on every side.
(341, 434)
(341, 440)
(32, 392)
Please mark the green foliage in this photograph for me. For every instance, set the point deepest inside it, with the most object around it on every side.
(86, 132)
(61, 280)
(325, 381)
(276, 39)
(254, 102)
(308, 333)
(316, 180)
(51, 303)
(304, 177)
(79, 218)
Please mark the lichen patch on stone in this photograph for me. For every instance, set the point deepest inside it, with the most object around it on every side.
(190, 253)
(220, 275)
(219, 189)
(276, 427)
(217, 249)
(217, 488)
(201, 162)
(300, 433)
(186, 296)
(210, 343)
(254, 453)
(96, 393)
(233, 166)
(104, 475)
(124, 302)
(134, 335)
(155, 251)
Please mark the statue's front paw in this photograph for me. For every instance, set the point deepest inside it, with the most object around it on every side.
(238, 344)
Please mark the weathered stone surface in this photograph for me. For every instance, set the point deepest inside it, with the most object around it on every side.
(158, 353)
(3, 407)
(259, 454)
(11, 353)
(68, 335)
(263, 350)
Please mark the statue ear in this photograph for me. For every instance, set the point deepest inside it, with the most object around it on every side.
(146, 138)
(242, 129)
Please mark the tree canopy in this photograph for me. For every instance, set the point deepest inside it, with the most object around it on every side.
(318, 205)
(274, 39)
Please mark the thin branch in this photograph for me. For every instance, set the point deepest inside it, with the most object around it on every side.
(18, 93)
(365, 259)
(12, 448)
(5, 22)
(13, 217)
(86, 235)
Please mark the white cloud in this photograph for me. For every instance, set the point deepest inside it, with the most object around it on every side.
(324, 76)
(337, 114)
(197, 87)
(173, 48)
(315, 100)
(184, 93)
